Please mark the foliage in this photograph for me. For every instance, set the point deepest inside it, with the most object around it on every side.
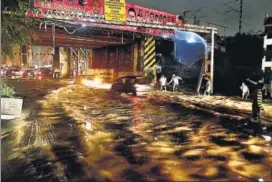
(7, 91)
(14, 25)
(244, 53)
(245, 50)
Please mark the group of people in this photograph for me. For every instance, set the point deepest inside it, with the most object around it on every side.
(175, 80)
(257, 108)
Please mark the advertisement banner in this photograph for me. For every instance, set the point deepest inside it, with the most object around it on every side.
(147, 15)
(115, 10)
(90, 6)
(134, 15)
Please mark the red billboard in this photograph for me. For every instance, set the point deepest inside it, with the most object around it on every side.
(90, 6)
(134, 12)
(139, 19)
(146, 15)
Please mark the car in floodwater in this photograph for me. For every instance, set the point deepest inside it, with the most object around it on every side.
(29, 73)
(3, 72)
(14, 73)
(42, 73)
(137, 85)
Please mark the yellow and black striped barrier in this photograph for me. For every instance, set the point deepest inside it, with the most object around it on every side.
(149, 53)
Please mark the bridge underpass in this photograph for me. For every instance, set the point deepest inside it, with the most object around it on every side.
(78, 48)
(88, 51)
(115, 47)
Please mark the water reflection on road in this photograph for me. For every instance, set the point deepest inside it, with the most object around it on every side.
(136, 139)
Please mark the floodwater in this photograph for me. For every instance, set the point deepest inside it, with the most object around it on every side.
(82, 134)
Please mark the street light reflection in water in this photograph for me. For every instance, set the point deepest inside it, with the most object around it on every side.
(141, 139)
(96, 83)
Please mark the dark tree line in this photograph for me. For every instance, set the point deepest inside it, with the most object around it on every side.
(14, 25)
(242, 60)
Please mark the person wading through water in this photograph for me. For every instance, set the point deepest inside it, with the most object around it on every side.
(208, 88)
(175, 79)
(245, 91)
(257, 100)
(163, 82)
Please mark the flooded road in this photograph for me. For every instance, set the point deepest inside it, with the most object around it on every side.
(82, 134)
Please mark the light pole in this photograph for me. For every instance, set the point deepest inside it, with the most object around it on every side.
(241, 14)
(212, 59)
(237, 11)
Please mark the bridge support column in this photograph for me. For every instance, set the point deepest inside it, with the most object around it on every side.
(56, 62)
(135, 57)
(149, 58)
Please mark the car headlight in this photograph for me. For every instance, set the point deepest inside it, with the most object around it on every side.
(87, 83)
(97, 80)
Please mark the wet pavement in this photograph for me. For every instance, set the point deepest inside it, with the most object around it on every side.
(82, 134)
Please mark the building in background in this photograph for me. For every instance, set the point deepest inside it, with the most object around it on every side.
(267, 59)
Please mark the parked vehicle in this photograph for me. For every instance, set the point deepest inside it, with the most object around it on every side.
(3, 72)
(136, 85)
(14, 72)
(30, 73)
(44, 73)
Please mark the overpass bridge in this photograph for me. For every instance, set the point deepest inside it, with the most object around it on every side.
(90, 38)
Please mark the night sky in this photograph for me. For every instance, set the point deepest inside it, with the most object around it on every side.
(213, 11)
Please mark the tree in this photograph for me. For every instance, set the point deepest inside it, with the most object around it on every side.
(245, 50)
(244, 53)
(14, 25)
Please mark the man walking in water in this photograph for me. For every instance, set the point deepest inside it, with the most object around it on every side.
(208, 88)
(257, 107)
(175, 79)
(163, 82)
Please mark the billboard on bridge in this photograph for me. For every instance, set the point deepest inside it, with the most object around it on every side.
(140, 14)
(124, 16)
(93, 6)
(115, 10)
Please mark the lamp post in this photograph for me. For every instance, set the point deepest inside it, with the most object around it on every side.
(212, 60)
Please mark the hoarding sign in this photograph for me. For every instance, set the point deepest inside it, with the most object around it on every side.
(92, 6)
(115, 10)
(137, 18)
(147, 15)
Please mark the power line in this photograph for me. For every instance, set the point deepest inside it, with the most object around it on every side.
(244, 22)
(233, 9)
(241, 14)
(215, 24)
(240, 20)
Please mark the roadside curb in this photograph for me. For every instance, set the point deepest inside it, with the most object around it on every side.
(231, 113)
